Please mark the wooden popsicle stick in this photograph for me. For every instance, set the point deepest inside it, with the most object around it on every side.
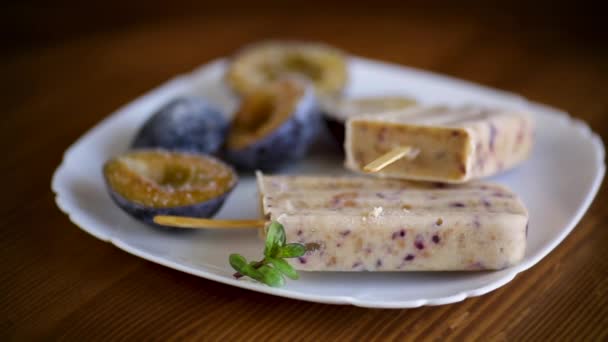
(197, 223)
(391, 157)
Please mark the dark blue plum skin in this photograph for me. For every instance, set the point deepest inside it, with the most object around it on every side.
(335, 125)
(285, 145)
(336, 128)
(146, 214)
(187, 124)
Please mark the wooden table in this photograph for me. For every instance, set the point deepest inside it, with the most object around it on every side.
(59, 282)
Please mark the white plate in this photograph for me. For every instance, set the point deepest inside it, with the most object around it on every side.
(557, 184)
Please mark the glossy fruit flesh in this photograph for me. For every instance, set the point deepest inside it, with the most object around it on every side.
(161, 179)
(263, 63)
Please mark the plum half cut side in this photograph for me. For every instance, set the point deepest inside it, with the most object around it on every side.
(262, 63)
(274, 126)
(146, 183)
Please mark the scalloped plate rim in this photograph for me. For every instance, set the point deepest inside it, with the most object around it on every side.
(577, 125)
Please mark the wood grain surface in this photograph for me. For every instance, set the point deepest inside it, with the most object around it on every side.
(65, 68)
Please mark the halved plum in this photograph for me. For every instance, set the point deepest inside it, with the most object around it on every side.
(337, 110)
(186, 123)
(265, 62)
(146, 183)
(274, 126)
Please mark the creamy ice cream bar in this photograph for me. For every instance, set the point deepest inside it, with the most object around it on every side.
(376, 224)
(453, 145)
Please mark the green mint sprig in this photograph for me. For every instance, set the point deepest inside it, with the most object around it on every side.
(273, 267)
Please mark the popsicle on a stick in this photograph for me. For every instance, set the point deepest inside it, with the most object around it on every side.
(452, 145)
(372, 224)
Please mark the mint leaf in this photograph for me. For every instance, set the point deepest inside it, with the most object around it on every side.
(275, 238)
(284, 267)
(237, 262)
(272, 268)
(291, 250)
(271, 277)
(252, 272)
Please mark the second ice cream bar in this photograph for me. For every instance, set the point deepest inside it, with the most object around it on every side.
(371, 224)
(452, 145)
